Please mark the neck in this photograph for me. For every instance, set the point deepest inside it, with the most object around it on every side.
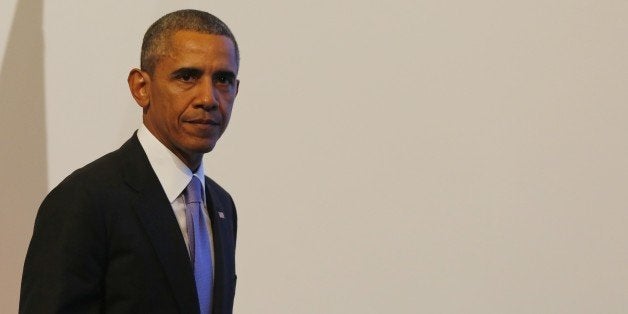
(193, 162)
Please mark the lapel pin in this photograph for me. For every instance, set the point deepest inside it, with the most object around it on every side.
(221, 215)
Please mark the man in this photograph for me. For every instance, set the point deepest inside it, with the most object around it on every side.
(142, 230)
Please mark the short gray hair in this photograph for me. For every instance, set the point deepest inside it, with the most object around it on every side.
(157, 35)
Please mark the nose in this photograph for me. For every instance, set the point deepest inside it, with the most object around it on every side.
(207, 97)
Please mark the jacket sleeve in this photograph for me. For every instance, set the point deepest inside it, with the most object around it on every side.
(66, 258)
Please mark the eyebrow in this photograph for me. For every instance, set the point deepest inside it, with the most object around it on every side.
(226, 73)
(198, 72)
(187, 71)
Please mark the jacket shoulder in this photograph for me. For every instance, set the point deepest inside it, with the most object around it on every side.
(106, 170)
(214, 186)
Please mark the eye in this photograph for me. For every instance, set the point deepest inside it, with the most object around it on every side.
(187, 75)
(224, 79)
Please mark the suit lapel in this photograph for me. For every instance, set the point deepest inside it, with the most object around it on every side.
(214, 209)
(155, 213)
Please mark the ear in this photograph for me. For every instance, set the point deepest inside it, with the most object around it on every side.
(139, 85)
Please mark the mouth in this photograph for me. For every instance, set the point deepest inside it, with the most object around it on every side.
(202, 122)
(204, 127)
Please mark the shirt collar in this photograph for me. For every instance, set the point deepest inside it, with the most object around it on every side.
(172, 173)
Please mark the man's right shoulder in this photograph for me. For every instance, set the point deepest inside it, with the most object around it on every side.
(100, 173)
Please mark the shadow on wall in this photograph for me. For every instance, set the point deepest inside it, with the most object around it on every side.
(23, 169)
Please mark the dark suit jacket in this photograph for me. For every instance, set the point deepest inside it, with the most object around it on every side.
(107, 241)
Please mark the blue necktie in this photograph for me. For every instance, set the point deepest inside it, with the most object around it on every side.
(199, 243)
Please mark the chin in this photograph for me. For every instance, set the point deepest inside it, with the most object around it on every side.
(204, 148)
(201, 145)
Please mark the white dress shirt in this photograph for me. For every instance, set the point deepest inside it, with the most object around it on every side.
(174, 177)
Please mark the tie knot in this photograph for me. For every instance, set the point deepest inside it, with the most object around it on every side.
(193, 191)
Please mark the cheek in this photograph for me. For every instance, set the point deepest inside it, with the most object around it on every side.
(227, 100)
(171, 106)
(226, 112)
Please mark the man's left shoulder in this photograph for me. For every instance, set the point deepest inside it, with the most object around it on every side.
(214, 187)
(219, 194)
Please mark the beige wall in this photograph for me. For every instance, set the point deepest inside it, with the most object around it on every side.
(23, 164)
(398, 157)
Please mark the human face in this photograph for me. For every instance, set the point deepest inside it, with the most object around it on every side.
(191, 94)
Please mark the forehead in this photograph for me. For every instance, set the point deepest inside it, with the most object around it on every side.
(193, 46)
